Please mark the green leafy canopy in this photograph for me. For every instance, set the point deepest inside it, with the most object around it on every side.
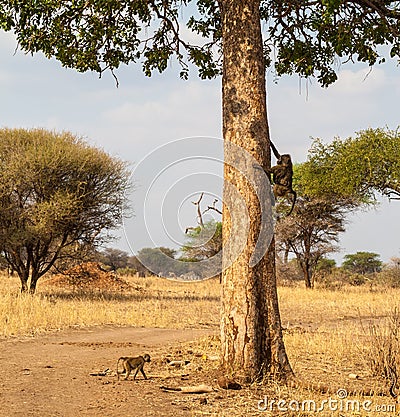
(362, 262)
(307, 37)
(355, 168)
(55, 192)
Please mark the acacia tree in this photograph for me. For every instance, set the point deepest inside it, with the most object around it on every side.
(203, 241)
(356, 167)
(56, 194)
(311, 232)
(307, 37)
(362, 262)
(338, 177)
(159, 261)
(113, 258)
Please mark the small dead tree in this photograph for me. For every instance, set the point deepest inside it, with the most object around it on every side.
(205, 240)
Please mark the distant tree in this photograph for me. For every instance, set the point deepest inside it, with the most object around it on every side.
(335, 180)
(136, 266)
(362, 263)
(203, 241)
(114, 258)
(395, 263)
(324, 268)
(391, 273)
(310, 232)
(288, 271)
(326, 265)
(160, 261)
(356, 168)
(171, 253)
(56, 192)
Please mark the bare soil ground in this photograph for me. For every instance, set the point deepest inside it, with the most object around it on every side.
(72, 373)
(51, 375)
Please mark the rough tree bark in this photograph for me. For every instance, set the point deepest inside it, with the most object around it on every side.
(251, 332)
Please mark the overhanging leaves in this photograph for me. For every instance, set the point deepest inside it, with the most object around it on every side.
(310, 38)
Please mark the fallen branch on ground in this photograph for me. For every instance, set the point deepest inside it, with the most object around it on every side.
(196, 389)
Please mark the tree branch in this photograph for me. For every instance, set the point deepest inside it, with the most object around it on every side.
(213, 208)
(199, 214)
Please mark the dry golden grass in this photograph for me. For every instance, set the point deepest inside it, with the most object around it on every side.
(158, 302)
(153, 302)
(329, 330)
(326, 332)
(335, 310)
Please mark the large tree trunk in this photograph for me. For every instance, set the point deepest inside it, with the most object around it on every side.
(24, 285)
(306, 265)
(251, 332)
(24, 277)
(307, 274)
(34, 279)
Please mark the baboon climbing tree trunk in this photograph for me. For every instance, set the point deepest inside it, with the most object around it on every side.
(251, 332)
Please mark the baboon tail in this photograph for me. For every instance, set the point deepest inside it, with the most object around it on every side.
(293, 202)
(274, 150)
(117, 367)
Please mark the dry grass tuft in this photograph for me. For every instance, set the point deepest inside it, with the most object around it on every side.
(383, 356)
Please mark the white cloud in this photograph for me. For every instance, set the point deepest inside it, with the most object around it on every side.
(192, 109)
(362, 82)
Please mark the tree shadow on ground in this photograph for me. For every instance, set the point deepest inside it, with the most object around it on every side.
(93, 295)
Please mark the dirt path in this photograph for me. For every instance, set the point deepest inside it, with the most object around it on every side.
(50, 375)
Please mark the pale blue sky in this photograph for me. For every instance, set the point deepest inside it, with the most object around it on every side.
(144, 114)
